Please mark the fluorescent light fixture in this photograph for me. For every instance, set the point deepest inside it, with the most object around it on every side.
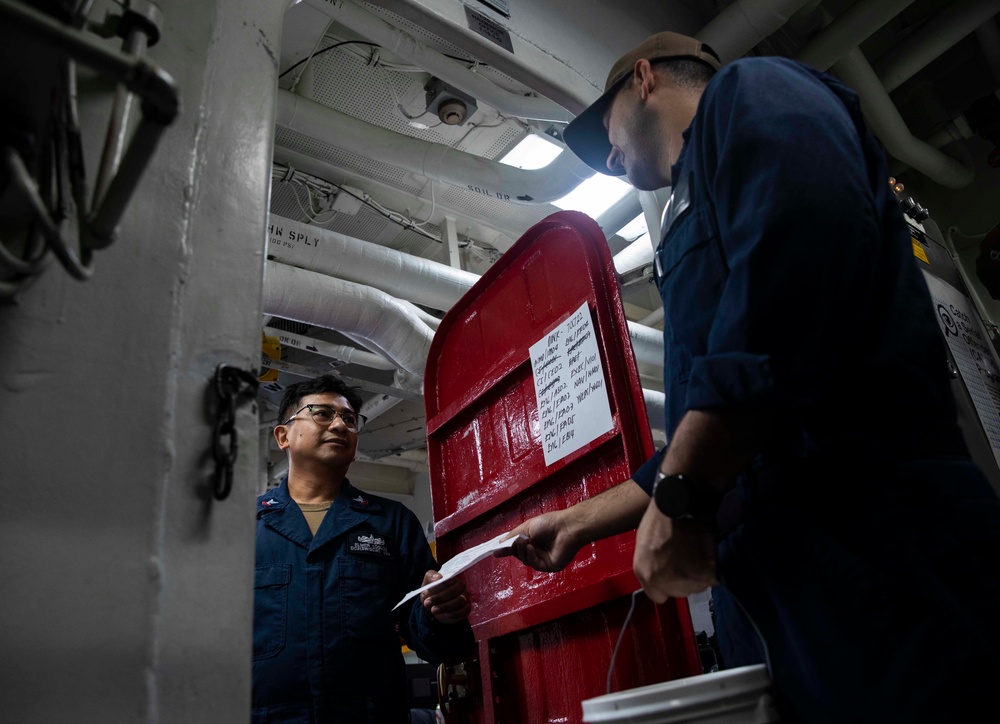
(531, 153)
(595, 195)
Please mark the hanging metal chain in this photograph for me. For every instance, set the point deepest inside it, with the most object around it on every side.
(231, 385)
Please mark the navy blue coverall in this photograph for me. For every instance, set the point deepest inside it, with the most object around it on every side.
(326, 646)
(863, 543)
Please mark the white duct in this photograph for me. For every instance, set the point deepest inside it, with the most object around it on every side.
(885, 121)
(849, 30)
(633, 256)
(955, 130)
(392, 461)
(288, 162)
(340, 352)
(379, 404)
(429, 319)
(937, 35)
(647, 343)
(433, 160)
(307, 296)
(654, 317)
(651, 211)
(620, 214)
(450, 71)
(398, 274)
(743, 24)
(403, 275)
(656, 408)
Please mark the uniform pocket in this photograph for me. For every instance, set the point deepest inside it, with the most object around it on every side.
(270, 609)
(368, 591)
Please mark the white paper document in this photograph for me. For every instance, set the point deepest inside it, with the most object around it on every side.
(462, 561)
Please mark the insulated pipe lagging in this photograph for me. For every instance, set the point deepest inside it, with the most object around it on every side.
(744, 23)
(937, 35)
(647, 343)
(884, 119)
(313, 298)
(401, 275)
(637, 254)
(656, 408)
(848, 30)
(450, 71)
(405, 276)
(433, 160)
(339, 352)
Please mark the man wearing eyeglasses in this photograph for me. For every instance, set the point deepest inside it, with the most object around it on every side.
(331, 563)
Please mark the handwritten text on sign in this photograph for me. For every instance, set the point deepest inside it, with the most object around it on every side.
(570, 388)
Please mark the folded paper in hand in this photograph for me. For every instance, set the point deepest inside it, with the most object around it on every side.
(462, 561)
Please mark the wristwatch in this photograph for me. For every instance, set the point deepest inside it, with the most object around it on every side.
(681, 497)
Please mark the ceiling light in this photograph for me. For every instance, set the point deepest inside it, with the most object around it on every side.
(595, 195)
(531, 153)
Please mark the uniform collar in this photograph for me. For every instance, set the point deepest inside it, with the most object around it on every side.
(351, 508)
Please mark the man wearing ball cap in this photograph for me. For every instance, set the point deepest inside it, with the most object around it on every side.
(815, 472)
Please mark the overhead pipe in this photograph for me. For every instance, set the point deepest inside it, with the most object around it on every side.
(289, 162)
(340, 352)
(621, 213)
(848, 30)
(651, 211)
(429, 319)
(406, 276)
(612, 220)
(941, 32)
(433, 160)
(647, 343)
(885, 121)
(654, 317)
(391, 461)
(656, 408)
(450, 71)
(637, 254)
(736, 29)
(744, 23)
(377, 405)
(324, 301)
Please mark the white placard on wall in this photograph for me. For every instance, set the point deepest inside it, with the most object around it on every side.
(961, 327)
(570, 387)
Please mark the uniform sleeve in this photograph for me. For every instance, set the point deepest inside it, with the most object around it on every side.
(432, 640)
(796, 227)
(646, 474)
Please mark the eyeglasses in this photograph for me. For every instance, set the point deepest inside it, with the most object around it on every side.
(325, 415)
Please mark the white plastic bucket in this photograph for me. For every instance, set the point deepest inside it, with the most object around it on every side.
(733, 696)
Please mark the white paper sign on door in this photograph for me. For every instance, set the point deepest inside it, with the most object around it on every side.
(570, 387)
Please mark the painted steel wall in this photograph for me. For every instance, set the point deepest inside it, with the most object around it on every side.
(127, 590)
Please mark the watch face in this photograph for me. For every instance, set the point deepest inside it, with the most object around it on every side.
(673, 496)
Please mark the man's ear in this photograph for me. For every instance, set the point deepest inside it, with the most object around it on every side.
(645, 78)
(281, 436)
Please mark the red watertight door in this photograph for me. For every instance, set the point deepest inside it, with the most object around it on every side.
(534, 402)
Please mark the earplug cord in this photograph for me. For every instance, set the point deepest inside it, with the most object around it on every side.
(621, 635)
(628, 617)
